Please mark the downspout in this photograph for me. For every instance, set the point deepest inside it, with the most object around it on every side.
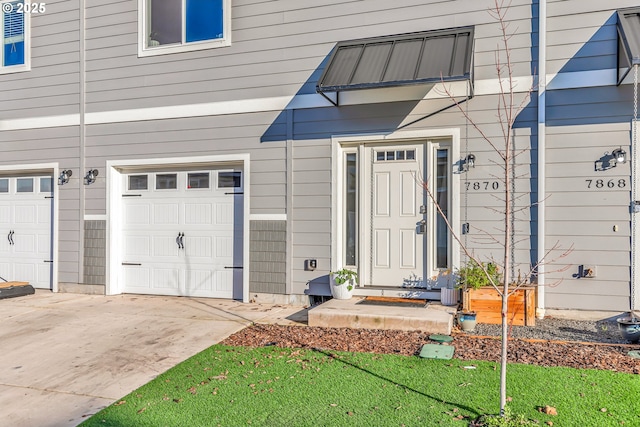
(542, 191)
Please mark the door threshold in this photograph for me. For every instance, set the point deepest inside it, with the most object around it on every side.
(380, 291)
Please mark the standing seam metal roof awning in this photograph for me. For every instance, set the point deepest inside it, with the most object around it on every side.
(628, 41)
(406, 59)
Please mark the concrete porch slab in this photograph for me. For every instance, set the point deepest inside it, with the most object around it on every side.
(434, 319)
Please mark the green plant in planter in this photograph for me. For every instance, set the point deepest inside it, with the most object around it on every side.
(345, 276)
(472, 275)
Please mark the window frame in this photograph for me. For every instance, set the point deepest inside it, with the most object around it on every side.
(27, 42)
(144, 50)
(344, 211)
(432, 161)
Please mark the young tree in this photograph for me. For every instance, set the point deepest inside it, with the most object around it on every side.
(509, 105)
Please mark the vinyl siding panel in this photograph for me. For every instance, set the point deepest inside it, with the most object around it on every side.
(582, 34)
(313, 128)
(59, 145)
(51, 87)
(200, 136)
(588, 207)
(277, 49)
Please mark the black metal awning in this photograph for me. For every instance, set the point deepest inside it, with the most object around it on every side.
(399, 60)
(628, 41)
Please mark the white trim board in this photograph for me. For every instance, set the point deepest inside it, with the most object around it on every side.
(340, 144)
(482, 87)
(268, 217)
(89, 217)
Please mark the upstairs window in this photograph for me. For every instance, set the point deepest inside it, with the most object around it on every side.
(170, 26)
(14, 54)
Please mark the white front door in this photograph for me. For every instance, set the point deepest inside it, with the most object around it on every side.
(26, 204)
(183, 233)
(396, 234)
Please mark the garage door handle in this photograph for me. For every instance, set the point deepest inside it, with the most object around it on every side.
(179, 240)
(10, 237)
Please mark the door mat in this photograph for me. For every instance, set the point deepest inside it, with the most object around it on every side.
(394, 302)
(15, 289)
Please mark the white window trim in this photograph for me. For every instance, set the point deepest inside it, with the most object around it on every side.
(27, 44)
(144, 51)
(433, 146)
(341, 144)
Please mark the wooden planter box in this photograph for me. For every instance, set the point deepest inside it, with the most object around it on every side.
(487, 304)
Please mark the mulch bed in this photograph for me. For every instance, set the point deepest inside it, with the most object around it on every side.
(542, 352)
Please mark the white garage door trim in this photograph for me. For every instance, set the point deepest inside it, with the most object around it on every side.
(115, 189)
(46, 169)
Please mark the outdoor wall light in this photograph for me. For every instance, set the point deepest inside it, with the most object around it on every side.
(468, 162)
(619, 155)
(90, 177)
(64, 176)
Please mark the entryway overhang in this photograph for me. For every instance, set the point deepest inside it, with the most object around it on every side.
(420, 59)
(628, 27)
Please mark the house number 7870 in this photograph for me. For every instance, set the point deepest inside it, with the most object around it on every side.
(611, 183)
(482, 185)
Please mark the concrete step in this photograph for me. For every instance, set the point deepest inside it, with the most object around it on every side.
(335, 313)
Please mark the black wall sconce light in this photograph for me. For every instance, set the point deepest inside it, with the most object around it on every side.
(90, 177)
(610, 160)
(64, 176)
(468, 162)
(619, 155)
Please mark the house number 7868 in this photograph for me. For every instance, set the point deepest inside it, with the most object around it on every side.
(611, 183)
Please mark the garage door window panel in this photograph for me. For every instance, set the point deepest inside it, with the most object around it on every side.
(138, 182)
(45, 185)
(231, 179)
(24, 185)
(198, 180)
(4, 185)
(166, 181)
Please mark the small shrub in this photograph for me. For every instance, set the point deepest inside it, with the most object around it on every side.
(472, 275)
(508, 420)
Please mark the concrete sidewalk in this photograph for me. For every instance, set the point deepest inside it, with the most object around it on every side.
(63, 357)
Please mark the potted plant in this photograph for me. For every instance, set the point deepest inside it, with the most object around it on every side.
(449, 292)
(342, 283)
(472, 276)
(629, 327)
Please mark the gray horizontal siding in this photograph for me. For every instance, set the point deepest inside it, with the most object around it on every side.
(311, 216)
(276, 49)
(587, 125)
(52, 85)
(201, 136)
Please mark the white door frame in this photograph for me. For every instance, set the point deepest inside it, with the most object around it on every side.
(340, 144)
(115, 190)
(53, 169)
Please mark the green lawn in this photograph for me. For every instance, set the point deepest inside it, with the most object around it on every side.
(237, 386)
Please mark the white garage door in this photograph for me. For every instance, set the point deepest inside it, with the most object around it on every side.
(26, 204)
(183, 233)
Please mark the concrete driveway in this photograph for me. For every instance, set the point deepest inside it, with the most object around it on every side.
(63, 357)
